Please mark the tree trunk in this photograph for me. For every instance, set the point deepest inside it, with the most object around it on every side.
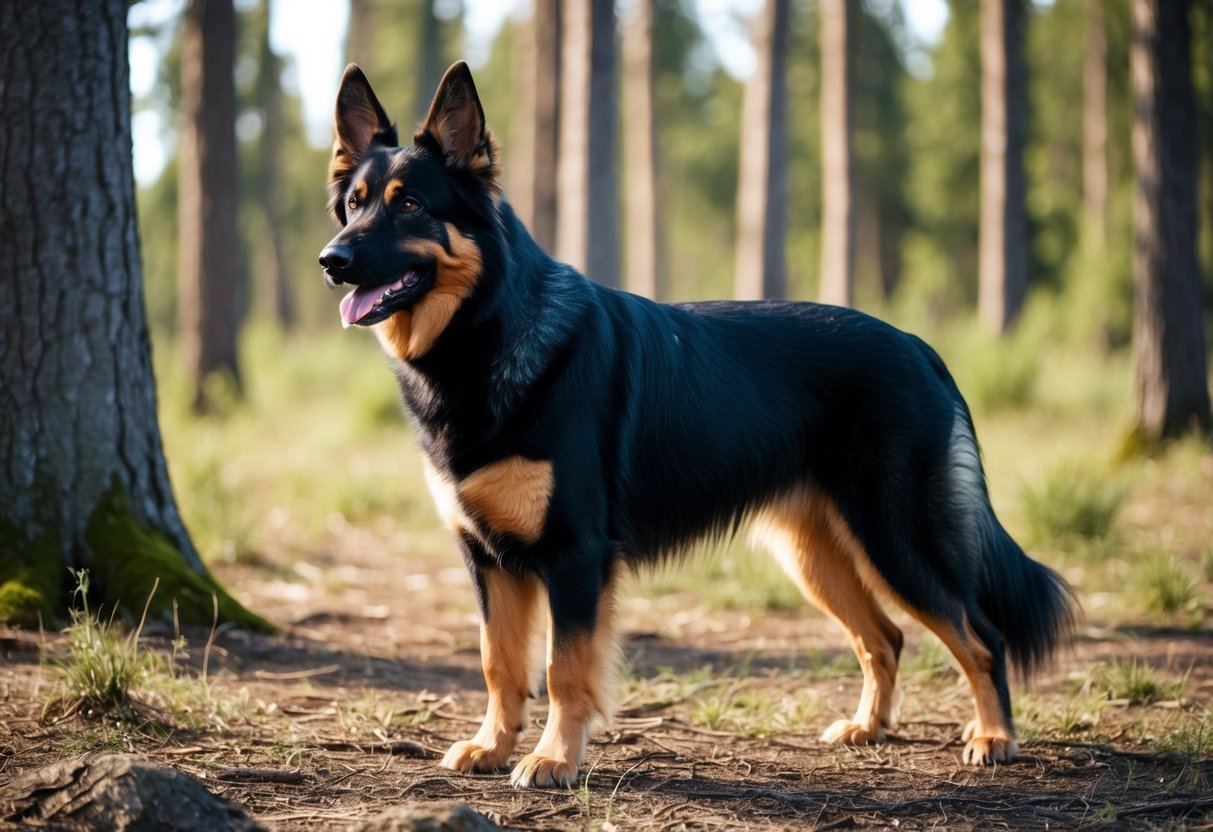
(643, 230)
(83, 481)
(276, 277)
(1095, 125)
(532, 169)
(429, 60)
(587, 228)
(1002, 239)
(838, 31)
(360, 35)
(1168, 337)
(762, 189)
(211, 290)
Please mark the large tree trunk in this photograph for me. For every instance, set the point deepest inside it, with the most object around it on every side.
(643, 223)
(1095, 125)
(211, 285)
(587, 228)
(532, 168)
(83, 481)
(839, 19)
(762, 189)
(276, 275)
(429, 60)
(1002, 240)
(1168, 337)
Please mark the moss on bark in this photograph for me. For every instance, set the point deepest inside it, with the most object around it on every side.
(31, 578)
(128, 559)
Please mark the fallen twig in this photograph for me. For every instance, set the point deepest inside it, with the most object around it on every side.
(260, 775)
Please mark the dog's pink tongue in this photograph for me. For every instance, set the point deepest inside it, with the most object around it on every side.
(356, 305)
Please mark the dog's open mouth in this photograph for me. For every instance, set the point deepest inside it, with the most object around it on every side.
(368, 305)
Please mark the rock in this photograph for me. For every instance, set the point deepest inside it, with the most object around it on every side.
(117, 792)
(430, 817)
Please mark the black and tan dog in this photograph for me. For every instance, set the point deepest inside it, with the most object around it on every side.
(569, 431)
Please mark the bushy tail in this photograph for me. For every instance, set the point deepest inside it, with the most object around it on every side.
(1030, 604)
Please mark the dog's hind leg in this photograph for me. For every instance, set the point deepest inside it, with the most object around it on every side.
(583, 655)
(809, 540)
(990, 737)
(508, 606)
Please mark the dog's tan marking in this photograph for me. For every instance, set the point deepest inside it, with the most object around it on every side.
(409, 334)
(812, 542)
(360, 191)
(989, 738)
(505, 638)
(581, 684)
(394, 186)
(510, 496)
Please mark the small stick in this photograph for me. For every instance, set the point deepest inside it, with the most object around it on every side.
(260, 775)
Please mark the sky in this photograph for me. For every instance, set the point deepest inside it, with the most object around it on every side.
(311, 35)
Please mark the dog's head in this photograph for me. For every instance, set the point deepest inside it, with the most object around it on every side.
(411, 216)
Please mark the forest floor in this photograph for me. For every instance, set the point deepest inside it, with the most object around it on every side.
(377, 671)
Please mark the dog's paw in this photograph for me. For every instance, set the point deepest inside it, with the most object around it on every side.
(851, 733)
(470, 755)
(984, 751)
(541, 771)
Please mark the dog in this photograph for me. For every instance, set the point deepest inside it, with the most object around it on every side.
(569, 431)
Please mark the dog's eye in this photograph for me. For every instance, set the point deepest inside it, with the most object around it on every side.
(408, 205)
(353, 203)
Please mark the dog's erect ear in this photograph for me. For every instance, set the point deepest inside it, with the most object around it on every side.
(455, 124)
(360, 122)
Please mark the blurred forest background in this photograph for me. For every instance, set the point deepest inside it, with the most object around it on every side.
(708, 183)
(911, 112)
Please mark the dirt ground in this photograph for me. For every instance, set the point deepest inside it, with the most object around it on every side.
(377, 671)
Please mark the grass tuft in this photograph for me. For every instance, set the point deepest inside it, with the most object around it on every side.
(102, 667)
(1136, 682)
(1072, 505)
(1167, 585)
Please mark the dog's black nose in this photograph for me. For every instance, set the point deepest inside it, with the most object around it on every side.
(337, 258)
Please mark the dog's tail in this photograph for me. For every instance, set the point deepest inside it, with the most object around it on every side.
(1031, 605)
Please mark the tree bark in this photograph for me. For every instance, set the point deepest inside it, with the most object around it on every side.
(838, 28)
(587, 228)
(643, 223)
(360, 35)
(78, 429)
(761, 270)
(211, 290)
(1095, 125)
(276, 277)
(533, 168)
(429, 60)
(1168, 336)
(1002, 239)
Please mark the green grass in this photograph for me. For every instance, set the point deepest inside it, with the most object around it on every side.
(103, 666)
(1135, 682)
(1072, 504)
(742, 709)
(1167, 586)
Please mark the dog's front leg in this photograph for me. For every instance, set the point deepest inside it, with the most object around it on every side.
(581, 661)
(508, 606)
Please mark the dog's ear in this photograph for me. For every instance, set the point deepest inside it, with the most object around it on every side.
(455, 125)
(360, 121)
